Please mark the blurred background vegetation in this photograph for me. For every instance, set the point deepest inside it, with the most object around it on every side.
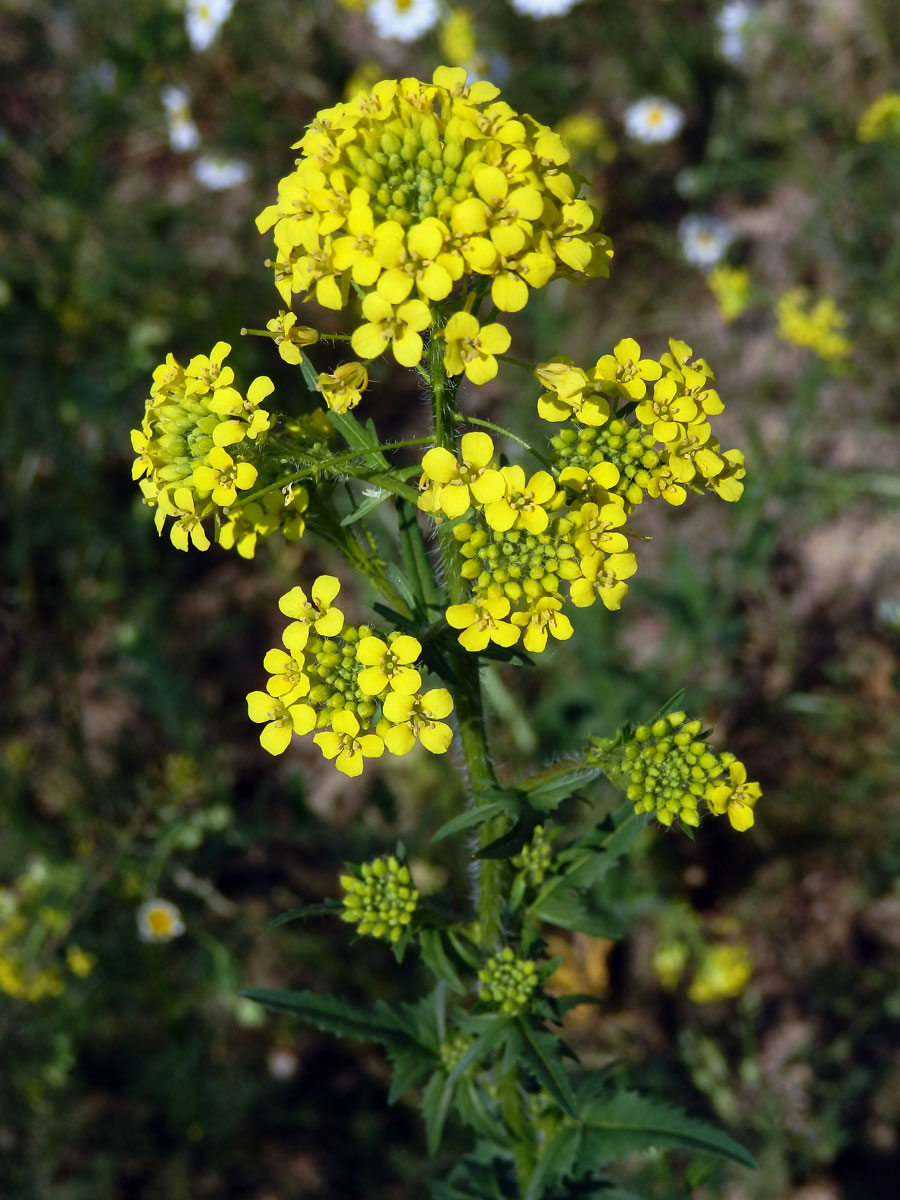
(128, 769)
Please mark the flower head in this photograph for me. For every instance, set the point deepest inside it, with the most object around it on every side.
(653, 120)
(403, 20)
(218, 173)
(159, 921)
(508, 982)
(204, 19)
(183, 133)
(539, 9)
(379, 898)
(704, 240)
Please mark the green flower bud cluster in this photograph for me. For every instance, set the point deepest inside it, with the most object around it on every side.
(411, 174)
(630, 448)
(516, 563)
(333, 671)
(453, 1049)
(508, 982)
(381, 900)
(534, 859)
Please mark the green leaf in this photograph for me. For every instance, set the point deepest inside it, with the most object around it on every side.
(436, 1101)
(494, 1031)
(580, 914)
(555, 1162)
(398, 579)
(358, 437)
(510, 842)
(410, 1063)
(550, 794)
(326, 909)
(472, 1106)
(471, 816)
(378, 1024)
(628, 1122)
(431, 944)
(540, 1051)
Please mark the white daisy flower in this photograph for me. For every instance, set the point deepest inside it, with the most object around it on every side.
(183, 133)
(403, 20)
(653, 120)
(218, 173)
(543, 8)
(159, 921)
(203, 20)
(704, 240)
(735, 22)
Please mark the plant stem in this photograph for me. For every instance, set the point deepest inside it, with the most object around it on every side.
(491, 873)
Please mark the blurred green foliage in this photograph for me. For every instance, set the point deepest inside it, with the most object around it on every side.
(127, 767)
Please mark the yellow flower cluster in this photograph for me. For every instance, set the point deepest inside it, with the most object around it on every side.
(644, 423)
(881, 119)
(668, 768)
(731, 288)
(25, 926)
(718, 971)
(817, 326)
(359, 694)
(409, 190)
(192, 453)
(526, 538)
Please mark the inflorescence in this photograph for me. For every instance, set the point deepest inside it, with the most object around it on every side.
(507, 982)
(669, 769)
(380, 899)
(359, 694)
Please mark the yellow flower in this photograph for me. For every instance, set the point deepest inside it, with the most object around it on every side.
(626, 369)
(731, 288)
(222, 476)
(289, 680)
(881, 119)
(471, 347)
(736, 797)
(450, 486)
(289, 336)
(667, 411)
(724, 972)
(816, 326)
(343, 388)
(542, 619)
(319, 612)
(482, 622)
(603, 577)
(597, 525)
(180, 504)
(525, 505)
(388, 665)
(281, 720)
(204, 374)
(243, 418)
(80, 962)
(419, 717)
(395, 325)
(344, 743)
(410, 187)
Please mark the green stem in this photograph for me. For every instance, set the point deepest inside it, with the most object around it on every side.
(482, 781)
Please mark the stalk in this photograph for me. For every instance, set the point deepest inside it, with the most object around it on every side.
(490, 884)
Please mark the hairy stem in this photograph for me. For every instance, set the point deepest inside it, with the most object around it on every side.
(491, 873)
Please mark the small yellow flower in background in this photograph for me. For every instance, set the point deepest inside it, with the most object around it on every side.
(669, 962)
(159, 921)
(450, 487)
(881, 119)
(731, 288)
(387, 665)
(457, 37)
(318, 613)
(815, 325)
(80, 962)
(723, 972)
(342, 389)
(289, 336)
(585, 134)
(471, 347)
(347, 745)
